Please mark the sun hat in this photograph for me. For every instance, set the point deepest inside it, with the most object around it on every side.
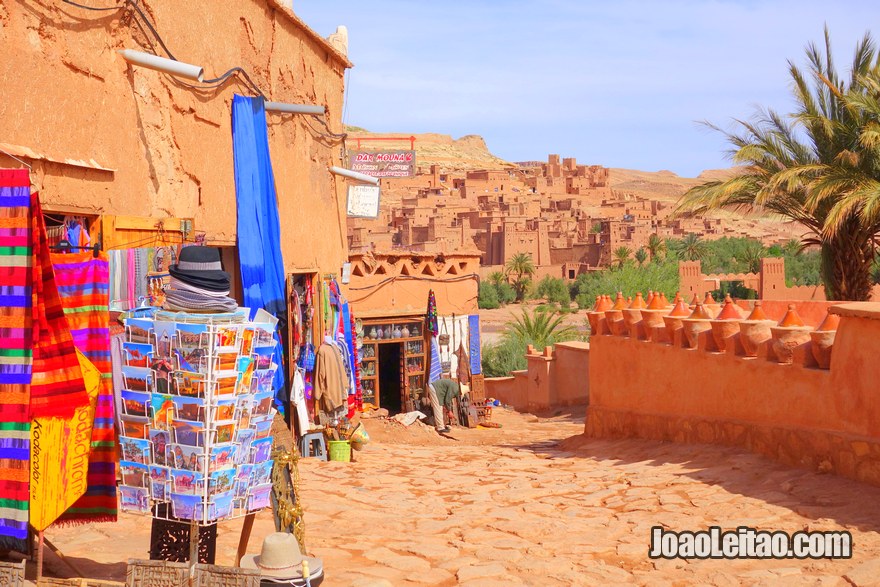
(280, 558)
(201, 266)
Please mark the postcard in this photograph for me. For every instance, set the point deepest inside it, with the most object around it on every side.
(188, 432)
(163, 371)
(247, 342)
(244, 437)
(135, 426)
(134, 403)
(263, 356)
(187, 482)
(224, 433)
(264, 380)
(164, 332)
(160, 439)
(137, 378)
(189, 408)
(222, 456)
(226, 385)
(134, 499)
(245, 369)
(139, 330)
(226, 361)
(163, 411)
(262, 426)
(137, 354)
(188, 383)
(224, 410)
(136, 450)
(159, 477)
(227, 338)
(264, 335)
(261, 448)
(259, 497)
(187, 507)
(262, 473)
(263, 403)
(243, 473)
(220, 506)
(189, 458)
(221, 481)
(134, 474)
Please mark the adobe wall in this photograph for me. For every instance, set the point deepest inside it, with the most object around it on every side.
(825, 419)
(68, 95)
(387, 284)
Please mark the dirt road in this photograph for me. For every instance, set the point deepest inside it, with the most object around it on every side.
(515, 507)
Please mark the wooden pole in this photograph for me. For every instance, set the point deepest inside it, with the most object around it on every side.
(39, 555)
(246, 528)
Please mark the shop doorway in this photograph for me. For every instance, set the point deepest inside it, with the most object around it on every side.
(389, 377)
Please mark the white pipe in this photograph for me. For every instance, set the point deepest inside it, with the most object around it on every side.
(170, 66)
(285, 108)
(355, 175)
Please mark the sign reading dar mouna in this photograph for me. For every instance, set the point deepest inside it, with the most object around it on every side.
(384, 163)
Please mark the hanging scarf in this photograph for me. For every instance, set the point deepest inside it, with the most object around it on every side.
(431, 317)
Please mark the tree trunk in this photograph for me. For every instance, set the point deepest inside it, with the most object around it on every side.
(846, 266)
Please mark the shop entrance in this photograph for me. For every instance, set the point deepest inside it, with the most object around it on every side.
(389, 376)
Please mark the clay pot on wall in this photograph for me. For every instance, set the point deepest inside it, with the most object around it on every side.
(754, 333)
(699, 321)
(673, 319)
(789, 334)
(822, 340)
(631, 319)
(614, 322)
(726, 323)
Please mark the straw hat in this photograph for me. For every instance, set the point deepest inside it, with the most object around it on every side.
(280, 558)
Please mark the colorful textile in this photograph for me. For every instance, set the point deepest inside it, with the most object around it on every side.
(474, 335)
(436, 371)
(83, 282)
(431, 316)
(259, 248)
(16, 355)
(57, 387)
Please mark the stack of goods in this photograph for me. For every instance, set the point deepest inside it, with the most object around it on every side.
(198, 283)
(197, 415)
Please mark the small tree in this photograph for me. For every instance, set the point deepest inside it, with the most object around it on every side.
(641, 256)
(621, 256)
(522, 266)
(656, 247)
(488, 297)
(691, 248)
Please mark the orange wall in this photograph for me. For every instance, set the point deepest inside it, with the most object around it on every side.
(68, 94)
(826, 419)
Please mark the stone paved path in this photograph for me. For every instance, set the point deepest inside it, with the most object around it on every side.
(522, 510)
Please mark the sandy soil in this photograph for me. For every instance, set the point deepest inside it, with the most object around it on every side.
(522, 505)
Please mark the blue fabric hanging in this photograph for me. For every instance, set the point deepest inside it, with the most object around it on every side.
(259, 231)
(436, 371)
(474, 334)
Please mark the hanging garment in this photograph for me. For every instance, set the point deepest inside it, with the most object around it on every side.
(431, 315)
(436, 370)
(464, 365)
(16, 348)
(329, 378)
(298, 401)
(476, 351)
(259, 248)
(83, 281)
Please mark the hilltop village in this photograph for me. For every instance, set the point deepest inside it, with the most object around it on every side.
(567, 216)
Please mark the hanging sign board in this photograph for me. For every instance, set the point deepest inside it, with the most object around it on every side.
(363, 201)
(384, 163)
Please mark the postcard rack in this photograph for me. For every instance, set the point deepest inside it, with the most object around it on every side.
(196, 417)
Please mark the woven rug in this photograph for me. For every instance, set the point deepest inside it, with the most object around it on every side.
(84, 285)
(16, 342)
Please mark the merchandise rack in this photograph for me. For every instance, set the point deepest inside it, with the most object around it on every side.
(201, 391)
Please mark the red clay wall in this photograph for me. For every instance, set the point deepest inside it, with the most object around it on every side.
(823, 419)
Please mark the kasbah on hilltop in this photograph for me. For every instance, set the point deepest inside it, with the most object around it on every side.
(300, 353)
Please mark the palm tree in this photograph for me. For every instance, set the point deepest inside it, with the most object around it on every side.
(752, 254)
(641, 256)
(656, 246)
(523, 267)
(540, 329)
(621, 256)
(819, 166)
(691, 248)
(496, 278)
(792, 248)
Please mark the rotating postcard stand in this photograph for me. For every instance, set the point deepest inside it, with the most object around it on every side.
(197, 417)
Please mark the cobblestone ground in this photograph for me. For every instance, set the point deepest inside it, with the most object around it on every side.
(512, 507)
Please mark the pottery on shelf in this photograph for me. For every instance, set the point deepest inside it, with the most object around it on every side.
(374, 333)
(396, 333)
(405, 332)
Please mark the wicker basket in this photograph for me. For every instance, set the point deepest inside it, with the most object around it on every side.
(52, 582)
(217, 576)
(145, 573)
(12, 574)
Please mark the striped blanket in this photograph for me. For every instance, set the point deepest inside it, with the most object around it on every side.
(83, 282)
(16, 355)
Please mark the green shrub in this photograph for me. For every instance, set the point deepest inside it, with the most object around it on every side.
(554, 290)
(501, 358)
(488, 297)
(506, 293)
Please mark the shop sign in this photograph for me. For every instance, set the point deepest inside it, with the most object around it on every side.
(384, 163)
(363, 201)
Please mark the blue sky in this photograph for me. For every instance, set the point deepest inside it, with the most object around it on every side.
(621, 83)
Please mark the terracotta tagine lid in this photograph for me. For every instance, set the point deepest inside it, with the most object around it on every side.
(676, 297)
(665, 301)
(757, 312)
(695, 300)
(650, 297)
(729, 311)
(791, 318)
(680, 309)
(619, 303)
(709, 300)
(700, 313)
(830, 323)
(657, 303)
(638, 303)
(598, 305)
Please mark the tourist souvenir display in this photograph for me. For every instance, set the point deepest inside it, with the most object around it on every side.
(197, 413)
